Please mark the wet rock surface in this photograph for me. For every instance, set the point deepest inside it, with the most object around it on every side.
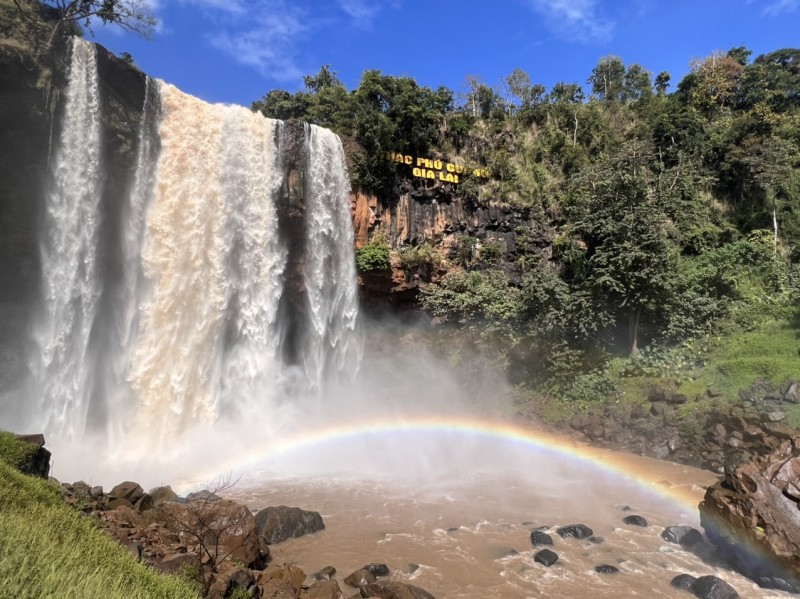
(753, 517)
(276, 524)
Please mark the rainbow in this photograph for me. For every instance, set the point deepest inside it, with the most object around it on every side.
(648, 475)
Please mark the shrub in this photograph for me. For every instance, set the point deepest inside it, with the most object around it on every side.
(374, 256)
(420, 259)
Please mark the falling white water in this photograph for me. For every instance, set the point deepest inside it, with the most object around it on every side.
(131, 289)
(330, 273)
(70, 284)
(192, 327)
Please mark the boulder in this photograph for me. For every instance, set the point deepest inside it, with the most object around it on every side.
(276, 524)
(279, 579)
(575, 531)
(755, 508)
(546, 557)
(685, 536)
(377, 569)
(360, 577)
(539, 538)
(711, 587)
(635, 521)
(241, 578)
(793, 394)
(129, 491)
(325, 573)
(683, 581)
(38, 463)
(203, 495)
(325, 589)
(229, 528)
(394, 590)
(163, 494)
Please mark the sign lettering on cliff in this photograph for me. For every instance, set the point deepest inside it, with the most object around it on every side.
(436, 169)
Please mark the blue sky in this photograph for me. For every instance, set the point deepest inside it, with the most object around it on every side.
(237, 50)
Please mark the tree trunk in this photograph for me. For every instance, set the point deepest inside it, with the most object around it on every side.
(633, 331)
(775, 226)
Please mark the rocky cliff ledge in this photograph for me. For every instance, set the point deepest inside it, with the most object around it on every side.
(753, 517)
(439, 216)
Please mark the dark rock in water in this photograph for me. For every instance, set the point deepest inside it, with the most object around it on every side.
(128, 490)
(394, 590)
(546, 557)
(606, 569)
(683, 581)
(539, 538)
(453, 529)
(325, 574)
(625, 508)
(359, 578)
(596, 540)
(377, 569)
(411, 568)
(276, 524)
(575, 531)
(711, 587)
(686, 536)
(635, 521)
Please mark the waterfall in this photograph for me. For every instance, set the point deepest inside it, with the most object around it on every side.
(63, 367)
(330, 272)
(196, 324)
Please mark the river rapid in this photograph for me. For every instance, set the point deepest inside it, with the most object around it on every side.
(466, 535)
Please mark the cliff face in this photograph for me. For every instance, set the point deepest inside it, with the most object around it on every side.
(438, 217)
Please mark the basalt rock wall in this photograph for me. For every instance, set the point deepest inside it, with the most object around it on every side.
(440, 217)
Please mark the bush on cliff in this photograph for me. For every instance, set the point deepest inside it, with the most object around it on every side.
(49, 550)
(374, 256)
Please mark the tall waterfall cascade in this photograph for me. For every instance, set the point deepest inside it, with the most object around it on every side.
(216, 310)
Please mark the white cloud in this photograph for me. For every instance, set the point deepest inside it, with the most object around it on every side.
(780, 6)
(268, 43)
(361, 11)
(576, 20)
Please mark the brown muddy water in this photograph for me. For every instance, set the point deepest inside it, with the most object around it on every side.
(459, 524)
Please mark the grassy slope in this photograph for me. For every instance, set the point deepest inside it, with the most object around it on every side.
(48, 549)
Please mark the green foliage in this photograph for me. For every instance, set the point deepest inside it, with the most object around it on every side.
(485, 303)
(659, 219)
(420, 259)
(15, 452)
(50, 550)
(374, 256)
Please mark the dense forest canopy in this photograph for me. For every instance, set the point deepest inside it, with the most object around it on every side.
(673, 211)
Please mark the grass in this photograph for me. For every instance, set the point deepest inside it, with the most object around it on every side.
(49, 550)
(14, 452)
(769, 353)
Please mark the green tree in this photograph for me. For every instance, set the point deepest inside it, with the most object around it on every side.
(131, 15)
(630, 257)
